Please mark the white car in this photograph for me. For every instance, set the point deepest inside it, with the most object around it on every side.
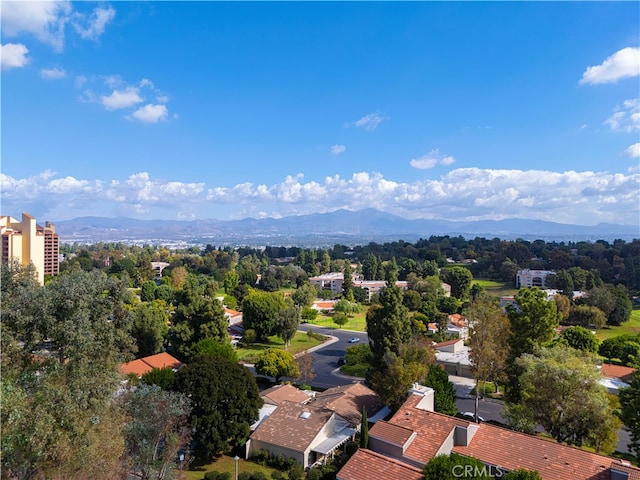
(354, 340)
(471, 416)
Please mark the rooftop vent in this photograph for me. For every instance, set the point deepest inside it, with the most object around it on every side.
(305, 415)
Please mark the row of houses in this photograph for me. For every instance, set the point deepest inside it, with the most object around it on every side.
(400, 447)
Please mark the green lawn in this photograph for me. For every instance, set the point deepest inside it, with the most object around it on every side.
(631, 326)
(226, 463)
(300, 342)
(357, 322)
(495, 288)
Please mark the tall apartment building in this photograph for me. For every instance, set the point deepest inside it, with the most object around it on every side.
(27, 242)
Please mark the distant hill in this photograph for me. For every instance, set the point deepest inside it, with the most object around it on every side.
(325, 229)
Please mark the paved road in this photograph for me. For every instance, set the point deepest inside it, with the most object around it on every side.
(325, 359)
(325, 363)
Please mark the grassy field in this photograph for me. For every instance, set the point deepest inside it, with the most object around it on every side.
(300, 342)
(495, 288)
(632, 326)
(226, 463)
(357, 322)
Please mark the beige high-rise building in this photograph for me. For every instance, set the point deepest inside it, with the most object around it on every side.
(27, 242)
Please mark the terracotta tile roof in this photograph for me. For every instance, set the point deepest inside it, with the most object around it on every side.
(287, 428)
(499, 446)
(431, 432)
(276, 395)
(365, 465)
(146, 364)
(458, 320)
(617, 371)
(448, 342)
(349, 400)
(391, 433)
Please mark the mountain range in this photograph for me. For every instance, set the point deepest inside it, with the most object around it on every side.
(325, 229)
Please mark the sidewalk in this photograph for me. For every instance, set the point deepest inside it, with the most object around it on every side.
(463, 386)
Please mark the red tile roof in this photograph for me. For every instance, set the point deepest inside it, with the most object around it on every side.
(498, 446)
(349, 400)
(394, 434)
(367, 465)
(287, 427)
(617, 371)
(276, 395)
(146, 364)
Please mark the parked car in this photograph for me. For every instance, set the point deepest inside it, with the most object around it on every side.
(354, 340)
(470, 416)
(341, 361)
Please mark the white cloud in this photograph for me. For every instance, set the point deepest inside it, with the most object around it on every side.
(151, 113)
(93, 26)
(44, 20)
(369, 122)
(337, 149)
(624, 63)
(54, 73)
(626, 118)
(463, 194)
(47, 20)
(13, 55)
(125, 98)
(632, 151)
(431, 159)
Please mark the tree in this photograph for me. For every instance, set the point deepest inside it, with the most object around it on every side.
(304, 295)
(581, 339)
(305, 365)
(345, 306)
(488, 340)
(231, 281)
(150, 327)
(162, 377)
(561, 390)
(287, 324)
(340, 319)
(533, 322)
(621, 311)
(586, 316)
(347, 283)
(156, 431)
(444, 391)
(364, 430)
(260, 311)
(630, 411)
(214, 348)
(225, 399)
(198, 315)
(309, 314)
(522, 474)
(388, 323)
(277, 363)
(460, 280)
(452, 467)
(625, 348)
(148, 291)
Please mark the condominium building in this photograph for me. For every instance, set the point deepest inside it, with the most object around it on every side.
(534, 278)
(27, 242)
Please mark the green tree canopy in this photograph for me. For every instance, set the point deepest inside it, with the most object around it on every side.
(260, 311)
(444, 391)
(581, 339)
(561, 390)
(277, 363)
(454, 466)
(157, 430)
(460, 280)
(225, 399)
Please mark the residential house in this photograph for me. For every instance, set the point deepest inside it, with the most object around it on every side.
(303, 432)
(310, 430)
(453, 356)
(145, 364)
(416, 434)
(615, 377)
(274, 396)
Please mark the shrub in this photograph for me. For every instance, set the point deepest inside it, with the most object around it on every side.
(217, 476)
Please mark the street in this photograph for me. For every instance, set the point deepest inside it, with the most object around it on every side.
(325, 363)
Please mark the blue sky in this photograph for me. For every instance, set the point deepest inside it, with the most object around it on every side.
(453, 110)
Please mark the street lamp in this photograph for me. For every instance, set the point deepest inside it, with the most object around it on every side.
(236, 458)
